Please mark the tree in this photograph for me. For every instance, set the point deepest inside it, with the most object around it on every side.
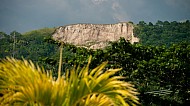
(150, 24)
(159, 23)
(142, 23)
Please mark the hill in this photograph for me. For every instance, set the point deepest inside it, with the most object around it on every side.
(161, 74)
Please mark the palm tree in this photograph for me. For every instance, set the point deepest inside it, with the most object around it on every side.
(24, 84)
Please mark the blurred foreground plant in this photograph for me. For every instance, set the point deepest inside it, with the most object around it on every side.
(23, 83)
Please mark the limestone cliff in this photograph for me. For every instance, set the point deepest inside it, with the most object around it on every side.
(94, 36)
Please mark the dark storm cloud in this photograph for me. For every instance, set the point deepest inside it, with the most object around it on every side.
(25, 15)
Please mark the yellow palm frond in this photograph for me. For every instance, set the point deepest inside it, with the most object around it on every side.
(23, 83)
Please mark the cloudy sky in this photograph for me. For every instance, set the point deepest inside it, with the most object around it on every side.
(27, 15)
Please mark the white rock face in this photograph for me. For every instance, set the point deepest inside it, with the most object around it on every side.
(94, 36)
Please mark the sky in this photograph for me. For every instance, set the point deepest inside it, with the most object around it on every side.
(26, 15)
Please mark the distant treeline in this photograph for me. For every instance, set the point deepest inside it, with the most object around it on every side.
(163, 32)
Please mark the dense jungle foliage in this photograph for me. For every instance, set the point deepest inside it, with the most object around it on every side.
(158, 66)
(163, 32)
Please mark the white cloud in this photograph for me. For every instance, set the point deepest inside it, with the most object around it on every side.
(90, 10)
(119, 13)
(115, 6)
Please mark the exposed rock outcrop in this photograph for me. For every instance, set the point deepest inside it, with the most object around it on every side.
(94, 36)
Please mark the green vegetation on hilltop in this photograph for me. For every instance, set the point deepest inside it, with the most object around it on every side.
(163, 33)
(43, 32)
(29, 45)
